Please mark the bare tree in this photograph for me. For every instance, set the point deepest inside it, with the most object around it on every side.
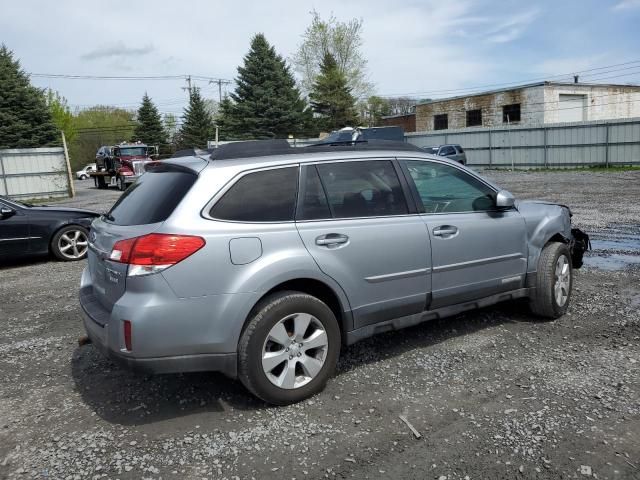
(340, 39)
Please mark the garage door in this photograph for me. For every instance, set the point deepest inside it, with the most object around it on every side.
(572, 108)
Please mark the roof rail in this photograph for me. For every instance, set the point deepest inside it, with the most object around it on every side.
(264, 148)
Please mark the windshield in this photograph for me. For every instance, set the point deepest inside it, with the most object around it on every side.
(14, 203)
(132, 151)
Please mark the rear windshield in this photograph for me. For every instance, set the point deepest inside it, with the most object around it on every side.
(151, 199)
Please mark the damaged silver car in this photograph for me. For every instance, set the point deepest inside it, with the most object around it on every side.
(262, 260)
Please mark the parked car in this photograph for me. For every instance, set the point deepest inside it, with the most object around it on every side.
(27, 229)
(84, 172)
(454, 152)
(360, 134)
(262, 265)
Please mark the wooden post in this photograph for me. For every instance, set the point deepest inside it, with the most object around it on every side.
(72, 187)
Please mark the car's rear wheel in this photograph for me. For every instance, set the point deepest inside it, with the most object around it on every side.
(70, 243)
(553, 281)
(289, 348)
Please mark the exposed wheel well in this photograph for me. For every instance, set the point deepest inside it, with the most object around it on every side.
(313, 287)
(558, 238)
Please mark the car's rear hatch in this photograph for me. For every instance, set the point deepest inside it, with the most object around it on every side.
(140, 210)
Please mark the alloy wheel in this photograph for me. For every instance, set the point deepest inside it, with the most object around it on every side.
(295, 351)
(562, 280)
(73, 244)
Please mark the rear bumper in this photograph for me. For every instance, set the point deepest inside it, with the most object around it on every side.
(97, 323)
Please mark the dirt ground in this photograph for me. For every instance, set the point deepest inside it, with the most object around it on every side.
(493, 393)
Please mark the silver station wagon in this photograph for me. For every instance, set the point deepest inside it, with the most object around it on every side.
(262, 260)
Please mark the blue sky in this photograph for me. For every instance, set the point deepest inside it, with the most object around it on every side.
(426, 48)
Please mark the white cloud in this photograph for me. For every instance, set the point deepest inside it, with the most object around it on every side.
(511, 27)
(627, 5)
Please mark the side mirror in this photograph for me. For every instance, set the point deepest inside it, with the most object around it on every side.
(6, 212)
(505, 199)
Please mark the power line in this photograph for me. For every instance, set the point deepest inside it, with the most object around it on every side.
(513, 83)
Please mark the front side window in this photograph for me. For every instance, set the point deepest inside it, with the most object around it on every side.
(447, 151)
(362, 189)
(264, 196)
(443, 188)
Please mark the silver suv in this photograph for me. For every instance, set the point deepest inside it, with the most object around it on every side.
(262, 260)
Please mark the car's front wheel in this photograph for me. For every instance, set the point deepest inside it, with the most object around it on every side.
(70, 243)
(289, 348)
(553, 281)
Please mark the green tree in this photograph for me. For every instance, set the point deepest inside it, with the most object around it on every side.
(149, 128)
(373, 109)
(97, 126)
(61, 115)
(331, 97)
(266, 102)
(25, 119)
(343, 40)
(197, 126)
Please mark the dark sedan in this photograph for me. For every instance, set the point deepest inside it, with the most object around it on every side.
(27, 229)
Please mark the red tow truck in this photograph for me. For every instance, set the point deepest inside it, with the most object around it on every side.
(122, 164)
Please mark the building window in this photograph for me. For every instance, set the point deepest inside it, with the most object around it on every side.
(441, 122)
(511, 113)
(474, 118)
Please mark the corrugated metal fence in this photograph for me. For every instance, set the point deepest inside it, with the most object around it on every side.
(35, 173)
(552, 145)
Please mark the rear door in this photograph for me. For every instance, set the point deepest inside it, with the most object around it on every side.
(476, 250)
(355, 220)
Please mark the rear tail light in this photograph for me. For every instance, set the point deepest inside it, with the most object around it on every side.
(154, 252)
(126, 325)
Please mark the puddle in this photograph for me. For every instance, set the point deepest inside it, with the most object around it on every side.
(613, 262)
(616, 247)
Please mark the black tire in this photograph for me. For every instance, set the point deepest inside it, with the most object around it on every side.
(265, 316)
(122, 185)
(102, 184)
(83, 177)
(76, 250)
(544, 302)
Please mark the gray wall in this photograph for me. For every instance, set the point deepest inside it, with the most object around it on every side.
(34, 173)
(553, 145)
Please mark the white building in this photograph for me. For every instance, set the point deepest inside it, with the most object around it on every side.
(533, 104)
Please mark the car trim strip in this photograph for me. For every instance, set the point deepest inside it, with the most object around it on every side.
(473, 263)
(397, 276)
(18, 238)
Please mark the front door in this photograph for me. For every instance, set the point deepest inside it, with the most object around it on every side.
(476, 250)
(354, 220)
(14, 231)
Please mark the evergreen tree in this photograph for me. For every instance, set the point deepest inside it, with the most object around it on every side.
(197, 125)
(25, 119)
(331, 97)
(266, 102)
(149, 128)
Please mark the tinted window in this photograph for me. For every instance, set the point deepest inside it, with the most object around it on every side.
(443, 188)
(362, 189)
(266, 196)
(313, 205)
(447, 151)
(152, 198)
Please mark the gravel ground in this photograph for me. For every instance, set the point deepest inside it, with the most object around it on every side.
(494, 393)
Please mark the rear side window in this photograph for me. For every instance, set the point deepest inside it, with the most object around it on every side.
(362, 189)
(152, 198)
(313, 205)
(265, 196)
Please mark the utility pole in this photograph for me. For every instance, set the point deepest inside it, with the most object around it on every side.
(188, 87)
(219, 82)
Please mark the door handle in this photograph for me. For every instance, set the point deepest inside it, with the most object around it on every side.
(445, 231)
(331, 239)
